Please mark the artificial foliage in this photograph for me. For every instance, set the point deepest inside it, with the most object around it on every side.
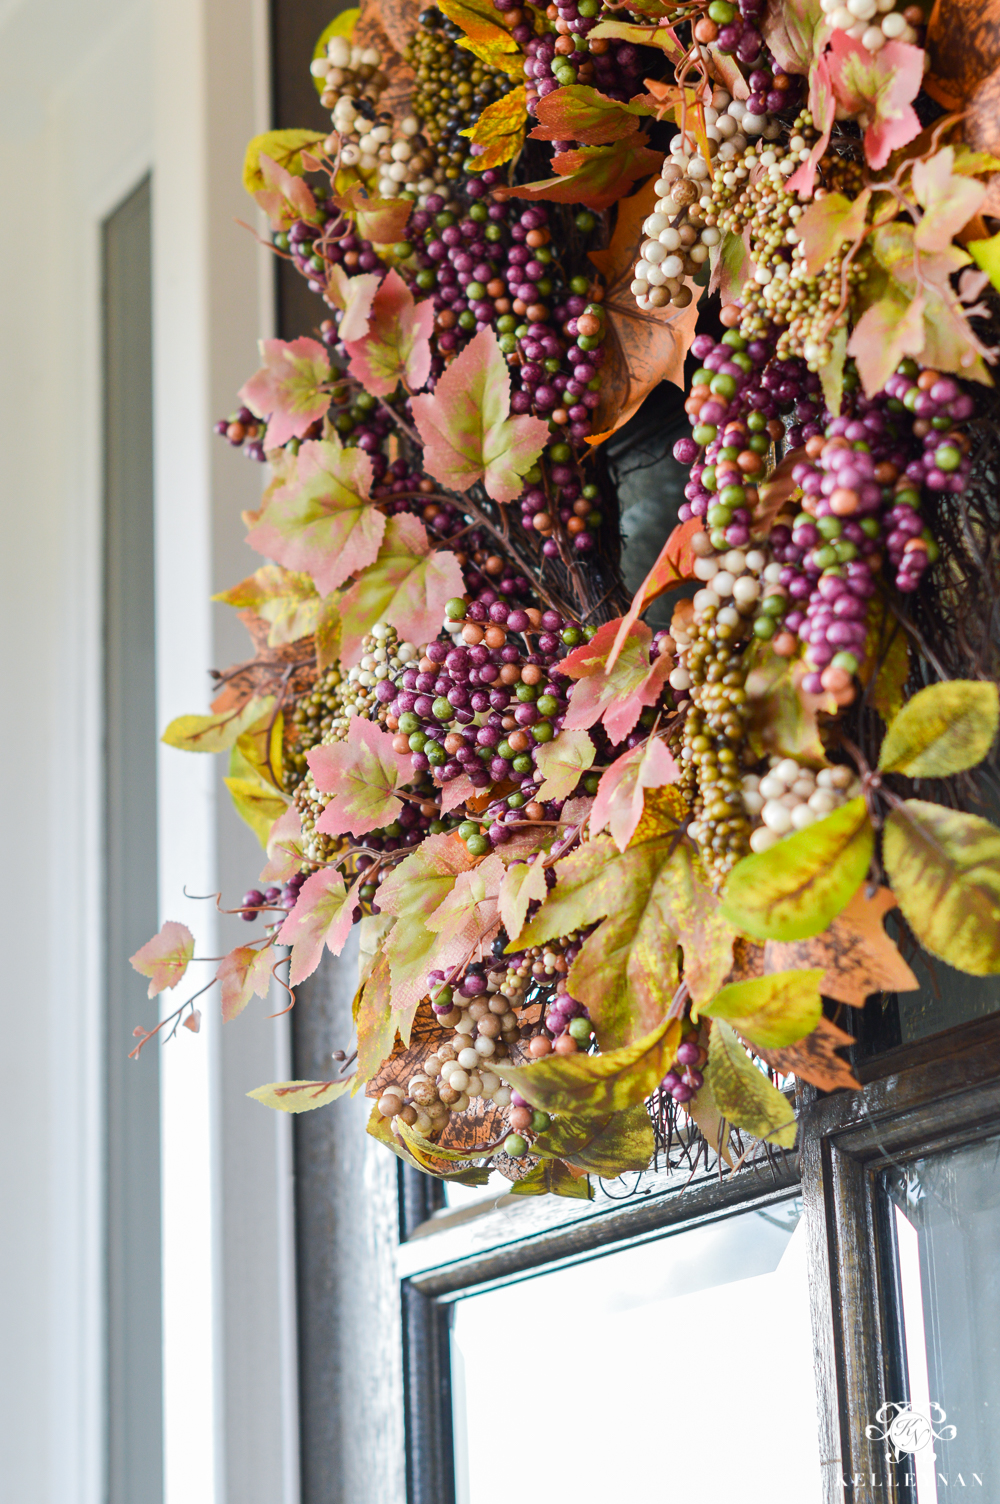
(617, 887)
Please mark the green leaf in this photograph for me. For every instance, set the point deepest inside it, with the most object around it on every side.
(794, 889)
(299, 1096)
(827, 224)
(771, 1011)
(598, 1083)
(743, 1093)
(831, 372)
(520, 885)
(283, 147)
(552, 1178)
(373, 1019)
(986, 255)
(563, 762)
(217, 732)
(609, 1146)
(944, 729)
(257, 804)
(412, 892)
(944, 867)
(380, 1129)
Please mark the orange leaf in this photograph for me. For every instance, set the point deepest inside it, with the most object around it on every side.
(858, 955)
(814, 1058)
(641, 349)
(597, 176)
(673, 566)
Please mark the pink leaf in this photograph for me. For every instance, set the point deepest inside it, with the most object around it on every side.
(888, 330)
(412, 891)
(322, 521)
(241, 974)
(286, 197)
(354, 297)
(396, 347)
(285, 853)
(621, 791)
(407, 586)
(362, 773)
(323, 914)
(523, 883)
(876, 88)
(164, 959)
(456, 791)
(470, 912)
(287, 390)
(466, 428)
(616, 696)
(823, 108)
(381, 220)
(563, 762)
(948, 200)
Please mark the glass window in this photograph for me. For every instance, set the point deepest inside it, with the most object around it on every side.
(945, 1215)
(680, 1367)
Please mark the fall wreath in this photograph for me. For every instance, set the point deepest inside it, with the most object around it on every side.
(619, 888)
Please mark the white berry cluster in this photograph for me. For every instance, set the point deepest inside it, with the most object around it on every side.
(733, 582)
(353, 86)
(870, 22)
(790, 797)
(680, 236)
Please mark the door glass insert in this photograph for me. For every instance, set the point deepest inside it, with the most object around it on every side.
(945, 1221)
(679, 1368)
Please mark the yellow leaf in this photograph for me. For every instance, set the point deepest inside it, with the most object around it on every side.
(299, 1096)
(283, 147)
(499, 130)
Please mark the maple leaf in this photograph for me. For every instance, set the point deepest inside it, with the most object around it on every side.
(523, 883)
(457, 791)
(949, 342)
(796, 32)
(617, 695)
(284, 196)
(362, 774)
(217, 732)
(287, 601)
(411, 892)
(323, 914)
(674, 564)
(250, 689)
(827, 224)
(396, 346)
(888, 330)
(380, 220)
(486, 35)
(597, 176)
(857, 956)
(641, 349)
(499, 131)
(165, 958)
(285, 854)
(580, 113)
(562, 763)
(622, 790)
(322, 521)
(407, 586)
(354, 297)
(283, 151)
(814, 1058)
(242, 974)
(466, 427)
(949, 200)
(876, 88)
(469, 914)
(288, 388)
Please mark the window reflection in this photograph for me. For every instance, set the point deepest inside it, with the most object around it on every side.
(677, 1369)
(945, 1212)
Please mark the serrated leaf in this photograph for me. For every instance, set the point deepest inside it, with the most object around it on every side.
(407, 586)
(322, 521)
(218, 732)
(499, 131)
(879, 88)
(522, 884)
(396, 346)
(580, 113)
(373, 1020)
(354, 297)
(795, 32)
(615, 695)
(256, 803)
(743, 1093)
(621, 793)
(243, 973)
(299, 1096)
(596, 176)
(604, 1083)
(289, 390)
(608, 1146)
(412, 891)
(563, 762)
(469, 913)
(674, 565)
(944, 866)
(771, 1011)
(361, 774)
(949, 341)
(949, 200)
(795, 888)
(285, 852)
(943, 729)
(380, 220)
(166, 957)
(829, 223)
(831, 372)
(552, 1178)
(815, 1059)
(887, 330)
(288, 601)
(323, 915)
(467, 430)
(283, 148)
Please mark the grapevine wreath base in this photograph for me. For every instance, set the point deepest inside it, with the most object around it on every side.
(614, 883)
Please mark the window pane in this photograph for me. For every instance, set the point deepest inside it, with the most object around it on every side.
(946, 1222)
(680, 1368)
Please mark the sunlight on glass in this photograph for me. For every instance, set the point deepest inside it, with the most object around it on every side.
(678, 1369)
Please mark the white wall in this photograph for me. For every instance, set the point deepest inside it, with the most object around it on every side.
(92, 94)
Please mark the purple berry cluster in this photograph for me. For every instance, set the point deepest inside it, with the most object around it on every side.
(266, 904)
(683, 1083)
